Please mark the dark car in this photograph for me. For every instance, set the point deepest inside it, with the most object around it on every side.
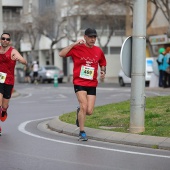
(47, 73)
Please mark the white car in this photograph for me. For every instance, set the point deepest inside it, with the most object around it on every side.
(47, 72)
(123, 79)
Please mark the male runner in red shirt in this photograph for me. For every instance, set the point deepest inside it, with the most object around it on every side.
(86, 58)
(8, 58)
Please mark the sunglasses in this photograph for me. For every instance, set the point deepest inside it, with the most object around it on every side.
(7, 39)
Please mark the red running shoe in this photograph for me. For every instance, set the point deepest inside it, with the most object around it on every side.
(4, 116)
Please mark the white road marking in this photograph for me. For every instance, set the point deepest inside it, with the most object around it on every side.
(56, 96)
(62, 96)
(57, 100)
(119, 94)
(26, 102)
(110, 89)
(22, 129)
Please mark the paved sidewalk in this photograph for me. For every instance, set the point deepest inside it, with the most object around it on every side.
(110, 136)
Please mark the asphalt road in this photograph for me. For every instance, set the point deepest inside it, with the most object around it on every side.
(25, 146)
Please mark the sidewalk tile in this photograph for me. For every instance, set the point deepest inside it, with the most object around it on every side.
(102, 135)
(57, 125)
(151, 141)
(117, 137)
(69, 129)
(133, 139)
(165, 144)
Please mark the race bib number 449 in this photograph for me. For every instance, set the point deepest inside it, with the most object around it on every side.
(2, 77)
(87, 72)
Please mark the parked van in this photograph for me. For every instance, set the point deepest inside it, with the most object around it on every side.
(123, 79)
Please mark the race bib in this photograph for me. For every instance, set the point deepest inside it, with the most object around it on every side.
(87, 72)
(2, 77)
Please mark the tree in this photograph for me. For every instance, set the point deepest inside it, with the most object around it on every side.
(107, 18)
(164, 7)
(30, 32)
(47, 23)
(68, 20)
(51, 25)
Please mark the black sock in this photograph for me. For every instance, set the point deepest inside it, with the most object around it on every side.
(82, 131)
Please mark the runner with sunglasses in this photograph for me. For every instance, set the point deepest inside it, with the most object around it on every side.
(8, 58)
(86, 58)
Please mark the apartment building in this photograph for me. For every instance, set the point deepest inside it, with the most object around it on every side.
(11, 19)
(35, 43)
(77, 16)
(109, 21)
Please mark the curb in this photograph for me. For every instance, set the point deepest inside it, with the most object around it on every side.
(110, 136)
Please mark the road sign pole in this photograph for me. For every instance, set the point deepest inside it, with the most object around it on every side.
(138, 67)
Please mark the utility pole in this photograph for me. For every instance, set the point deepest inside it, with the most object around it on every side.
(1, 20)
(68, 58)
(137, 110)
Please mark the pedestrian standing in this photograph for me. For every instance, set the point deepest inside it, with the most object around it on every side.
(167, 68)
(35, 72)
(165, 65)
(86, 58)
(27, 74)
(8, 58)
(159, 60)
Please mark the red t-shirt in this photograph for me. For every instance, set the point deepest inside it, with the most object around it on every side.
(86, 61)
(7, 66)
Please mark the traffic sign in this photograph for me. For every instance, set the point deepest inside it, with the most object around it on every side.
(126, 56)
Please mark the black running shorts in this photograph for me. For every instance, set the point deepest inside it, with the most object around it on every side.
(35, 74)
(89, 90)
(6, 90)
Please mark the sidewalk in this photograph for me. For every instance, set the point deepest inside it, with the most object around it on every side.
(110, 136)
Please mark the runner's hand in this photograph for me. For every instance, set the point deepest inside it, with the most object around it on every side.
(81, 41)
(102, 75)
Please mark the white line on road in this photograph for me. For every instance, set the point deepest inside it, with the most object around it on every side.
(27, 102)
(22, 129)
(62, 96)
(57, 100)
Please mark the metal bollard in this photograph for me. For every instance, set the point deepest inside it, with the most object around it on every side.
(55, 80)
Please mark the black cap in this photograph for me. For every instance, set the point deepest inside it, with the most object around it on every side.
(90, 32)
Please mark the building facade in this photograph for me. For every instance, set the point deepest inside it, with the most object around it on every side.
(11, 20)
(39, 21)
(113, 23)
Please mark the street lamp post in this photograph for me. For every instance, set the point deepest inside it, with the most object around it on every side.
(137, 110)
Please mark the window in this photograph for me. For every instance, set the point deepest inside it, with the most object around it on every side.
(11, 13)
(49, 2)
(115, 50)
(6, 14)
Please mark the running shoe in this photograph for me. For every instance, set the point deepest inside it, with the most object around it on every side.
(0, 130)
(82, 136)
(4, 116)
(77, 121)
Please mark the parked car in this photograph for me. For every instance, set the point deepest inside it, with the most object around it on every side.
(123, 79)
(47, 73)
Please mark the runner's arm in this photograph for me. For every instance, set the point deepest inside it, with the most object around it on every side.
(65, 50)
(17, 56)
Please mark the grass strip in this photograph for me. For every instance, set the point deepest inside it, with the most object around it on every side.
(116, 117)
